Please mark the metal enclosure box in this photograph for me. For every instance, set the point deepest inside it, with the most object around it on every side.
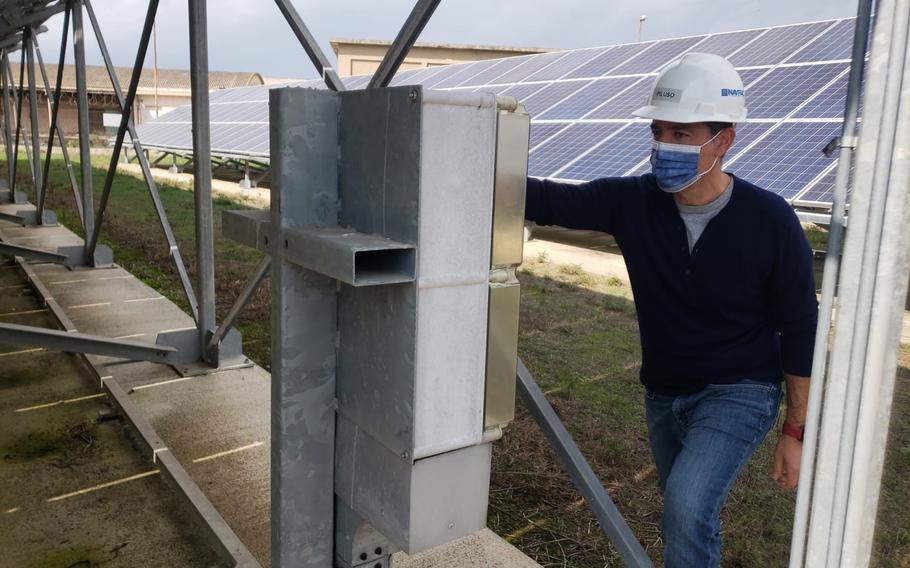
(400, 353)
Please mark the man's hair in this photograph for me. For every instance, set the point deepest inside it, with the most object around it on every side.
(716, 127)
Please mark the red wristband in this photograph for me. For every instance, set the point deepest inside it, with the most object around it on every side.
(793, 431)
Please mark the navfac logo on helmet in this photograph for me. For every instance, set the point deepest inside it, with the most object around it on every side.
(698, 87)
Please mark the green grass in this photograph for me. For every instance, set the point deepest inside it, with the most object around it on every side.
(579, 337)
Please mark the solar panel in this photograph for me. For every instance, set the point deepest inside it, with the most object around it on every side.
(568, 63)
(836, 43)
(550, 95)
(540, 131)
(522, 91)
(785, 88)
(622, 105)
(530, 64)
(581, 101)
(447, 71)
(486, 76)
(584, 100)
(822, 191)
(777, 44)
(469, 69)
(829, 103)
(725, 44)
(614, 157)
(788, 158)
(749, 76)
(604, 62)
(565, 146)
(659, 55)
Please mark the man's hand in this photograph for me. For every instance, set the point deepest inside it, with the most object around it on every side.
(789, 450)
(787, 458)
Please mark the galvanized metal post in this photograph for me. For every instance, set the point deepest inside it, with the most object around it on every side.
(19, 96)
(34, 124)
(55, 127)
(146, 170)
(202, 178)
(304, 328)
(7, 131)
(847, 475)
(412, 27)
(85, 150)
(829, 279)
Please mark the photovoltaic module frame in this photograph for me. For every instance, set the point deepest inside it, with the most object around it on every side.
(580, 102)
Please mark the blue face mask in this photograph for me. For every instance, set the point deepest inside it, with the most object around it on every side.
(675, 166)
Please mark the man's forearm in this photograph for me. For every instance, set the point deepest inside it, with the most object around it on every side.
(797, 399)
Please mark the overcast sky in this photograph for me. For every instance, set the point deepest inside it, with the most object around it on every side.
(251, 35)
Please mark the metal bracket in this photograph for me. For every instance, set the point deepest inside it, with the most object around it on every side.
(29, 218)
(227, 354)
(351, 257)
(70, 256)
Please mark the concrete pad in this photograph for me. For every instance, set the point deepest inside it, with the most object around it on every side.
(216, 425)
(483, 549)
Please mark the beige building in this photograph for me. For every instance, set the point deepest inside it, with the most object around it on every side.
(360, 56)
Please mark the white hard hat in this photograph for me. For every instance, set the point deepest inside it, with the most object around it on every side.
(698, 87)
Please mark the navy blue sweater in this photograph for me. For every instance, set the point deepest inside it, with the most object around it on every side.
(742, 305)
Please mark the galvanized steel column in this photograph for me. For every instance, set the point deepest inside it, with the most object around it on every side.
(85, 150)
(872, 286)
(829, 280)
(33, 119)
(7, 131)
(202, 184)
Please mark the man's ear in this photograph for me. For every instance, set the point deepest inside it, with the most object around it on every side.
(725, 140)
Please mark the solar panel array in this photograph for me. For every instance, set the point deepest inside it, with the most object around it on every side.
(580, 102)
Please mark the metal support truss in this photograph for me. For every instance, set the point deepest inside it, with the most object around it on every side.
(53, 98)
(415, 23)
(146, 170)
(15, 156)
(127, 107)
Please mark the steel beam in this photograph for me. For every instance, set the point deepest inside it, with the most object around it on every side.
(837, 222)
(32, 253)
(202, 178)
(12, 181)
(7, 131)
(57, 340)
(412, 27)
(85, 150)
(55, 127)
(259, 274)
(306, 39)
(37, 17)
(584, 478)
(146, 170)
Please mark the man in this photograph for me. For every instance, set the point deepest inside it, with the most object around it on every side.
(722, 277)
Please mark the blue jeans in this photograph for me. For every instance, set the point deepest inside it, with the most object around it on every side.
(700, 442)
